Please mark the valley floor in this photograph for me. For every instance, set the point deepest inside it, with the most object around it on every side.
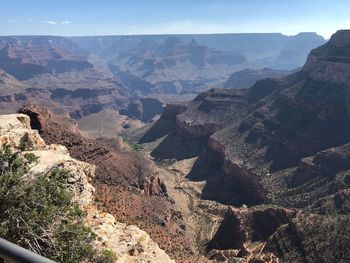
(200, 224)
(202, 218)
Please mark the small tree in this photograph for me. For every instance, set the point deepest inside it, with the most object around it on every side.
(39, 214)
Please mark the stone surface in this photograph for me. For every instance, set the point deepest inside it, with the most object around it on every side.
(15, 130)
(130, 243)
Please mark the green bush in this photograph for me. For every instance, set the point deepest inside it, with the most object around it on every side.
(108, 256)
(134, 146)
(39, 214)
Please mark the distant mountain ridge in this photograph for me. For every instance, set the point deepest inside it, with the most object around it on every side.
(174, 66)
(261, 47)
(84, 75)
(25, 57)
(154, 64)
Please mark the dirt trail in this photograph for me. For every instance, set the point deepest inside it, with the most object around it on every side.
(200, 224)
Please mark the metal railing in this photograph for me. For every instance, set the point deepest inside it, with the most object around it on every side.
(14, 253)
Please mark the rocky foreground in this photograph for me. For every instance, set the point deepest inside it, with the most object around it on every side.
(128, 242)
(128, 185)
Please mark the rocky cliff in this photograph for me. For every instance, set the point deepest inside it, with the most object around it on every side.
(282, 141)
(84, 76)
(24, 57)
(260, 132)
(145, 109)
(56, 73)
(246, 78)
(127, 185)
(129, 242)
(241, 226)
(114, 165)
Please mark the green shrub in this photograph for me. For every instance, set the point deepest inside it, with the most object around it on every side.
(39, 214)
(24, 142)
(31, 157)
(108, 256)
(135, 146)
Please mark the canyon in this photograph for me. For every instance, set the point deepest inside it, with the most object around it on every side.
(282, 142)
(120, 238)
(85, 75)
(194, 148)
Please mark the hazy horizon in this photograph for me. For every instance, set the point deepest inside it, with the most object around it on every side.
(165, 34)
(137, 17)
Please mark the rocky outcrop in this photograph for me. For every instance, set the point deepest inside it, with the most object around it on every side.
(246, 78)
(231, 233)
(311, 238)
(164, 124)
(330, 62)
(127, 185)
(153, 186)
(265, 222)
(205, 115)
(114, 166)
(16, 131)
(39, 116)
(234, 184)
(241, 227)
(145, 109)
(227, 180)
(128, 242)
(329, 171)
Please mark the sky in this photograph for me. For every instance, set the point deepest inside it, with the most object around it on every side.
(129, 17)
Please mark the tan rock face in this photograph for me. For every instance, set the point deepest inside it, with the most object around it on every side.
(15, 130)
(128, 242)
(80, 173)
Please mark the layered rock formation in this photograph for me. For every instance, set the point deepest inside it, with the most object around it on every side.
(165, 123)
(129, 242)
(127, 185)
(145, 109)
(246, 78)
(174, 67)
(186, 64)
(83, 76)
(25, 57)
(262, 50)
(241, 226)
(56, 73)
(283, 141)
(311, 238)
(107, 123)
(267, 128)
(114, 166)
